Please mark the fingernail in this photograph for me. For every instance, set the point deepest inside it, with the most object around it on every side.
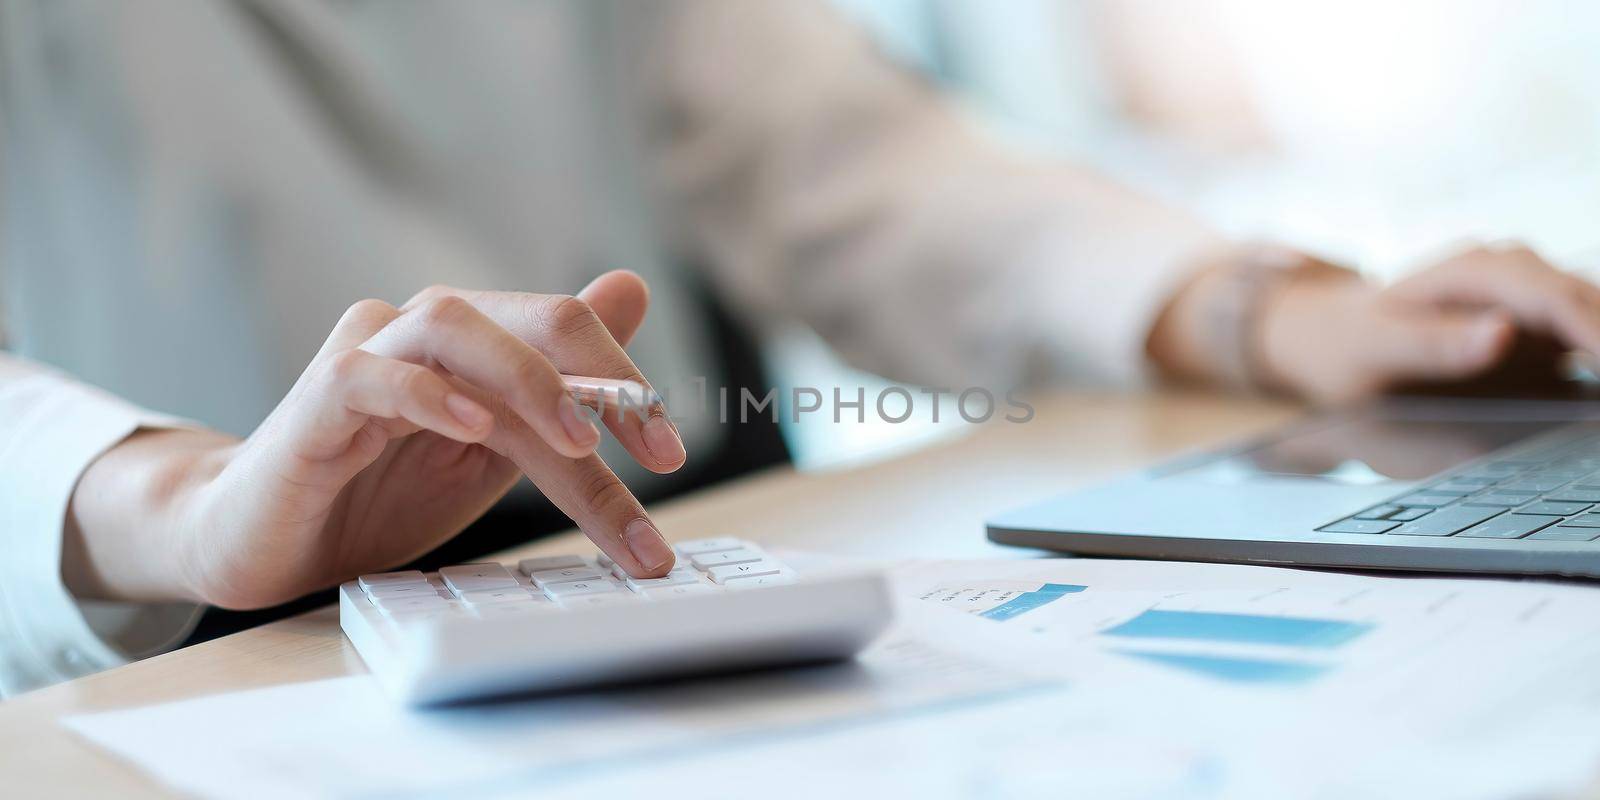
(466, 411)
(662, 440)
(647, 546)
(582, 432)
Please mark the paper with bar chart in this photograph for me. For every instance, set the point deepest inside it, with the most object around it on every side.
(1243, 626)
(1028, 678)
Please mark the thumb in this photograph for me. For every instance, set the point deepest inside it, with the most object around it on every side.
(1437, 345)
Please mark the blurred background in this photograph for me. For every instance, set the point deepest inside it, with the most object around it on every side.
(1373, 133)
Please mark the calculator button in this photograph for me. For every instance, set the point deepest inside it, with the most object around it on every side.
(673, 578)
(423, 589)
(680, 590)
(410, 576)
(758, 581)
(679, 568)
(580, 587)
(528, 566)
(740, 556)
(567, 575)
(695, 547)
(477, 577)
(763, 567)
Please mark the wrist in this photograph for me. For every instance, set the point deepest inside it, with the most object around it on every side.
(1218, 328)
(1294, 328)
(129, 524)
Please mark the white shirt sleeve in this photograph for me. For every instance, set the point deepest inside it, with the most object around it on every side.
(820, 180)
(51, 429)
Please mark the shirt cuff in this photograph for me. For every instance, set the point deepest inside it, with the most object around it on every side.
(53, 429)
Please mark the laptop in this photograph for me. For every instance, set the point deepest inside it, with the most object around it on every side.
(1458, 485)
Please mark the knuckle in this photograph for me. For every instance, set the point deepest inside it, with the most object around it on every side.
(366, 310)
(1530, 262)
(600, 491)
(566, 315)
(343, 367)
(445, 310)
(433, 292)
(413, 380)
(1514, 247)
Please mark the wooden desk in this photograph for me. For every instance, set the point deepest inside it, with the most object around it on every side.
(928, 503)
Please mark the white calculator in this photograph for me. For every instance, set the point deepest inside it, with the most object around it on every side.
(562, 622)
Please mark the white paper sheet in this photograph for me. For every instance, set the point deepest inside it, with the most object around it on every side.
(1459, 687)
(1420, 687)
(1344, 633)
(344, 738)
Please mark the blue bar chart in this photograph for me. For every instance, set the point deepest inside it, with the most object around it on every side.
(1028, 601)
(1240, 628)
(1217, 631)
(1269, 636)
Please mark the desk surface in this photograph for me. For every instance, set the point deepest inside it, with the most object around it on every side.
(927, 503)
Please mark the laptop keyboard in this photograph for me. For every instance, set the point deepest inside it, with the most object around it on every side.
(1550, 493)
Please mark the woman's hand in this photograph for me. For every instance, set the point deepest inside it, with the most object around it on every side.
(1493, 318)
(407, 425)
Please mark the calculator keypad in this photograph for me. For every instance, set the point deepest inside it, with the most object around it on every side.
(554, 583)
